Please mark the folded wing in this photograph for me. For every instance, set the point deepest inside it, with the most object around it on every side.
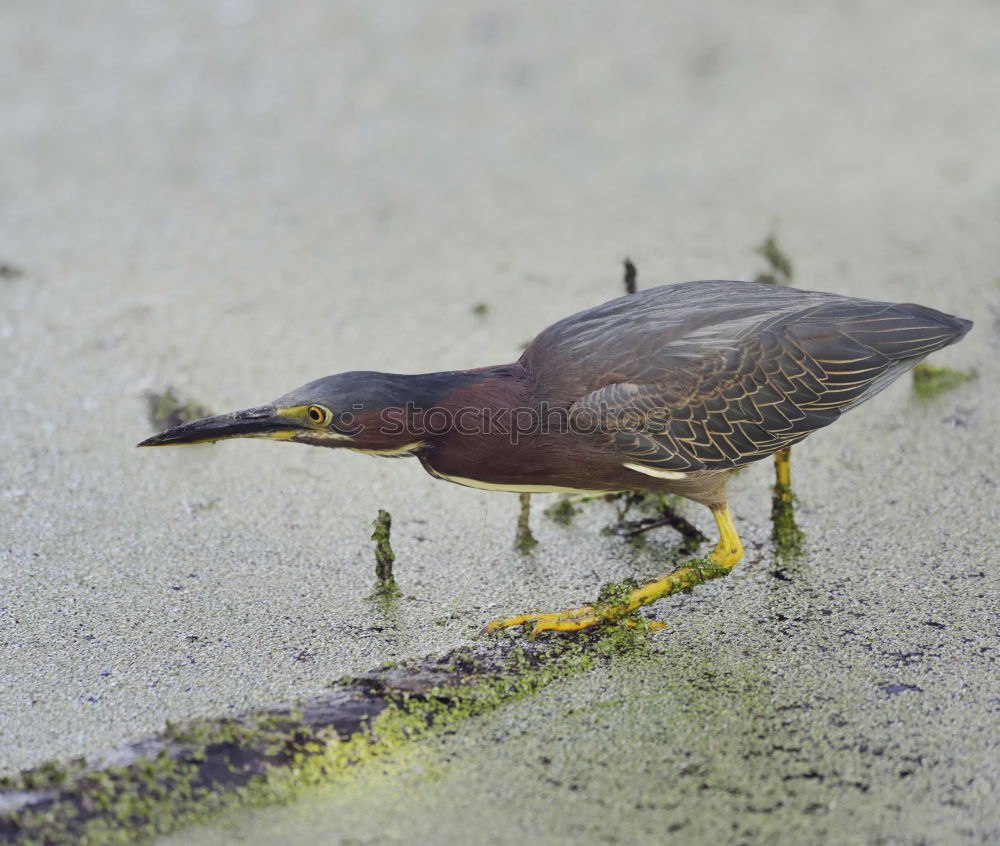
(772, 384)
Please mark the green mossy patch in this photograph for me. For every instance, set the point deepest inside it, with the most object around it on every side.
(616, 593)
(166, 409)
(524, 540)
(563, 511)
(929, 381)
(10, 271)
(385, 582)
(786, 535)
(192, 771)
(780, 270)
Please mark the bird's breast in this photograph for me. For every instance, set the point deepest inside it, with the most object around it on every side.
(531, 463)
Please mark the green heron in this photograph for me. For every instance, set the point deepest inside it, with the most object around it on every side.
(669, 389)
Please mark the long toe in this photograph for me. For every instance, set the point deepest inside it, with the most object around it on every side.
(533, 617)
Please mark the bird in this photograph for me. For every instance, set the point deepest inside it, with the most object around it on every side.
(669, 389)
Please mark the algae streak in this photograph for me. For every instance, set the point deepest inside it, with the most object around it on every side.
(191, 772)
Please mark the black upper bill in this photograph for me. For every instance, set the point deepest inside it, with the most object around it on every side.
(251, 422)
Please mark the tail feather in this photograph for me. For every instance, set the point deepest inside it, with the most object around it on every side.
(905, 331)
(862, 353)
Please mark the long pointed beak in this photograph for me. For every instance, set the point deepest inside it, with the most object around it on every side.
(260, 422)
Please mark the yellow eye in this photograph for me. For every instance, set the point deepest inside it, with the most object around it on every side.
(318, 414)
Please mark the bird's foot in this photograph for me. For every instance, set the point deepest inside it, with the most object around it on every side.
(618, 602)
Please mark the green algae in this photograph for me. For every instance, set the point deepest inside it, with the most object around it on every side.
(385, 582)
(929, 381)
(655, 508)
(567, 507)
(658, 509)
(616, 593)
(641, 500)
(166, 409)
(786, 535)
(780, 270)
(524, 540)
(10, 271)
(192, 772)
(563, 511)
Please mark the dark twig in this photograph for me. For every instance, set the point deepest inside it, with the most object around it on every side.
(631, 276)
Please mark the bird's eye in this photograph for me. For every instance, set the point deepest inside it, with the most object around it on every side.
(318, 414)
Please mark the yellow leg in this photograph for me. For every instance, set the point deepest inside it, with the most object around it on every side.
(723, 558)
(783, 473)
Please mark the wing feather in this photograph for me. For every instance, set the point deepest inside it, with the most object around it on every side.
(751, 395)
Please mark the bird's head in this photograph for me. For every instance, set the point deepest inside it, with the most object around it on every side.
(366, 411)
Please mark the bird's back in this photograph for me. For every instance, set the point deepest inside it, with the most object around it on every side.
(640, 336)
(732, 371)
